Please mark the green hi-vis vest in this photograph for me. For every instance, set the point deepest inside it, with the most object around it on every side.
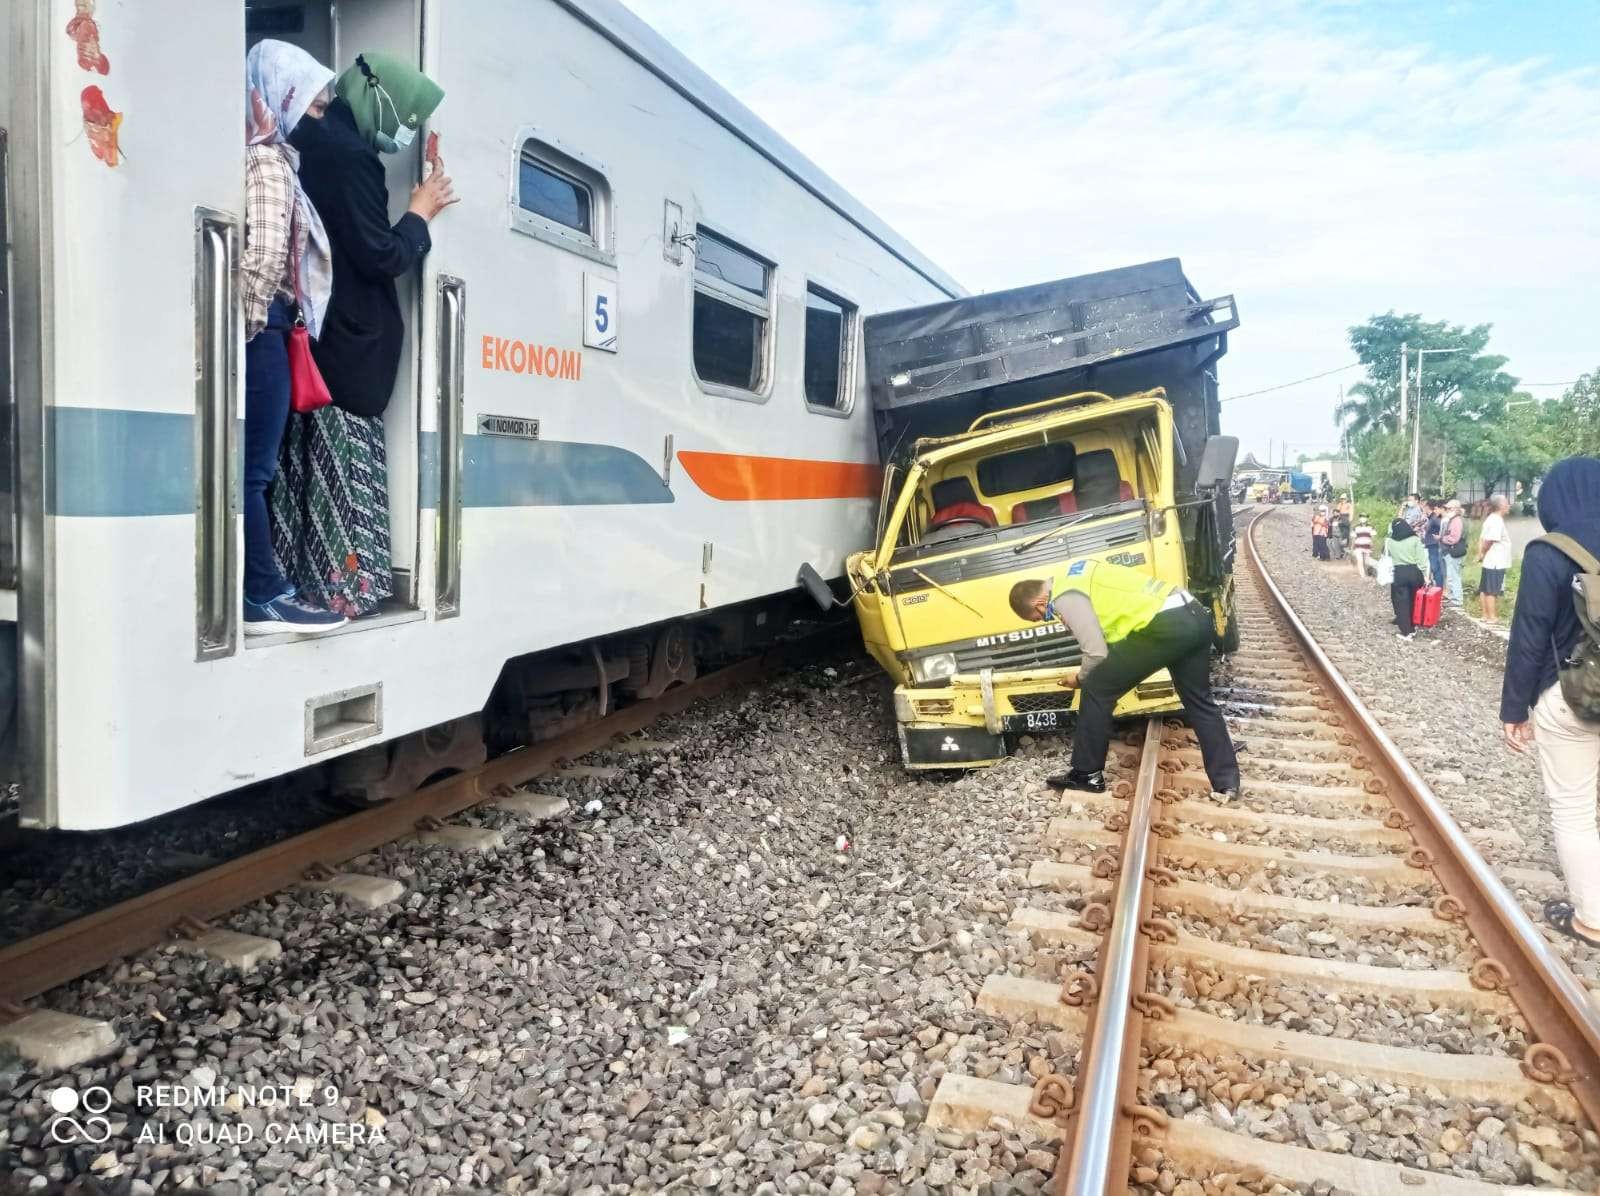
(1124, 599)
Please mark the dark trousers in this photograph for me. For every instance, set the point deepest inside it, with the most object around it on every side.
(1319, 547)
(266, 412)
(1180, 642)
(1407, 581)
(1435, 564)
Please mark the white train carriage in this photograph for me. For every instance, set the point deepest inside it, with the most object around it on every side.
(632, 394)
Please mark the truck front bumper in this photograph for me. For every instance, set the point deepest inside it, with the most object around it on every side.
(963, 724)
(939, 746)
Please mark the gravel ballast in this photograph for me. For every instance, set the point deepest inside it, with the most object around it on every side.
(1437, 697)
(743, 965)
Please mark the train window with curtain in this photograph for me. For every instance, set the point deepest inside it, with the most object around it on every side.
(732, 314)
(830, 352)
(560, 199)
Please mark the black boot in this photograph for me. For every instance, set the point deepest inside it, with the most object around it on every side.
(1088, 782)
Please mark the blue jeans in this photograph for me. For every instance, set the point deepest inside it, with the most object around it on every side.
(1435, 565)
(1452, 578)
(266, 411)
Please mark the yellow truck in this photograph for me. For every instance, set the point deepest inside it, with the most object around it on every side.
(1022, 430)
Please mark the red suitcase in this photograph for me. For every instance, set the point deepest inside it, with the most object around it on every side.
(1425, 606)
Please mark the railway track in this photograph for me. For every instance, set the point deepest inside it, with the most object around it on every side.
(189, 908)
(1320, 988)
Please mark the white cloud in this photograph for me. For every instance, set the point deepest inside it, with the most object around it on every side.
(1320, 175)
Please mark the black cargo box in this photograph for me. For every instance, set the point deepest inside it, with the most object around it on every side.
(932, 370)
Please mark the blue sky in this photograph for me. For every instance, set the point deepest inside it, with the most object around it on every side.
(1322, 160)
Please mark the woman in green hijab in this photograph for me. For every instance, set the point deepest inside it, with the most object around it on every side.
(389, 99)
(331, 512)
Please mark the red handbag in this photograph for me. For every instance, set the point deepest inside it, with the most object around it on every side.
(307, 390)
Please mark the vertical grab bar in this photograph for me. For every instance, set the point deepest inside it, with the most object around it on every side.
(452, 407)
(216, 396)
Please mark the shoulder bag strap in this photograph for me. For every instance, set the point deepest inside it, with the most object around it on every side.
(1569, 547)
(1586, 587)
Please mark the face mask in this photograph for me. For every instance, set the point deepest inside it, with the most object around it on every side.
(403, 135)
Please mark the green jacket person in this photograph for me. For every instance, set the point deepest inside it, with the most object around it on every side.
(1129, 625)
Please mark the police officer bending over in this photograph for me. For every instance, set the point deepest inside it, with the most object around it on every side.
(1129, 625)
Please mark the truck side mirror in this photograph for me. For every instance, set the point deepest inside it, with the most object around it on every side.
(811, 581)
(1216, 461)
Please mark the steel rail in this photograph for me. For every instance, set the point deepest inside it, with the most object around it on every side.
(76, 948)
(1104, 1072)
(1556, 1005)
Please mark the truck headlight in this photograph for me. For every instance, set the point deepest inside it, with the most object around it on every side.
(937, 667)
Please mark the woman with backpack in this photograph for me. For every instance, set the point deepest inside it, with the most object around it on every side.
(1551, 693)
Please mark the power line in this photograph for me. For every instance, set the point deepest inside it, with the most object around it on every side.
(1249, 394)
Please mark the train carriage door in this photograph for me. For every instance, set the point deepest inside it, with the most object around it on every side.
(335, 33)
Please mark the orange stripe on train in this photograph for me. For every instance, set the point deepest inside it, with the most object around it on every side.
(736, 477)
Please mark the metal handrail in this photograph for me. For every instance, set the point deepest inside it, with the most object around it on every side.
(1099, 1102)
(216, 372)
(447, 516)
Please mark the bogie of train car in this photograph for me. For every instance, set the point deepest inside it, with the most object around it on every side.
(631, 395)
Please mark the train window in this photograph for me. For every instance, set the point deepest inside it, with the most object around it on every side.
(732, 314)
(560, 199)
(830, 344)
(551, 194)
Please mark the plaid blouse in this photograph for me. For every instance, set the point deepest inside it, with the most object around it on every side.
(269, 199)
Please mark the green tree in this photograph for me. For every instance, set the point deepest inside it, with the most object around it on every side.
(1575, 417)
(1461, 394)
(1383, 462)
(1470, 378)
(1518, 444)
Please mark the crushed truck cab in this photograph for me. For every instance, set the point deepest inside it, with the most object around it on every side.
(1022, 431)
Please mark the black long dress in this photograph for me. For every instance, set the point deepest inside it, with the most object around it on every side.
(330, 502)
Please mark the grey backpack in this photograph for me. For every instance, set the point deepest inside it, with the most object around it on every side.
(1580, 674)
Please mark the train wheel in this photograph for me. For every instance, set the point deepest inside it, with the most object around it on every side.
(366, 779)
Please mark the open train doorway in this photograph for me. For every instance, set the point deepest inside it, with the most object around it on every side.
(335, 33)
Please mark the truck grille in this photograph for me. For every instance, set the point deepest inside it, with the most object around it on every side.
(1052, 652)
(1031, 703)
(1002, 558)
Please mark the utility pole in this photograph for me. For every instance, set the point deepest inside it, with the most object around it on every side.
(1401, 426)
(1416, 435)
(1416, 428)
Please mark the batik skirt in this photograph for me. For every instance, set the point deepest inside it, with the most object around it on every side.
(330, 511)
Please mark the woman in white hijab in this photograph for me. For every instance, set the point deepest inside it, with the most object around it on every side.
(286, 262)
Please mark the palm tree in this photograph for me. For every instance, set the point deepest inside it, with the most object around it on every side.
(1367, 405)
